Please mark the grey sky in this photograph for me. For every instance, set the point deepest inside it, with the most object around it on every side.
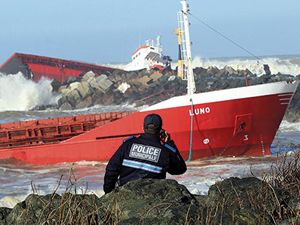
(103, 31)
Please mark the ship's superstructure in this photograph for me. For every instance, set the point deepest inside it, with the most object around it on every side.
(147, 56)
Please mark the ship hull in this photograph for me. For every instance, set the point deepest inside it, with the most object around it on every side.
(234, 122)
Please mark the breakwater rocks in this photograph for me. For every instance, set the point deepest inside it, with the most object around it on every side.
(149, 87)
(147, 201)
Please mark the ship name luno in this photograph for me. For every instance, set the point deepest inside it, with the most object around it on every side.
(199, 111)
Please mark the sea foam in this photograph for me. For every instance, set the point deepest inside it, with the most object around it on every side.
(277, 65)
(20, 94)
(286, 126)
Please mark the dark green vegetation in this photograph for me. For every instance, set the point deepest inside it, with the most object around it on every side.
(275, 199)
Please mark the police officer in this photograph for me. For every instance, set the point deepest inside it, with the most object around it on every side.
(151, 155)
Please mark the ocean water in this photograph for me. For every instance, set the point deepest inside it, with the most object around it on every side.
(18, 96)
(17, 180)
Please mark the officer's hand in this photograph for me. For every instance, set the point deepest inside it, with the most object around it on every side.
(164, 136)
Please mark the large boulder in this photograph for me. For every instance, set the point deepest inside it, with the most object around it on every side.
(149, 201)
(88, 76)
(84, 89)
(246, 201)
(65, 106)
(155, 76)
(123, 87)
(73, 97)
(101, 83)
(87, 102)
(54, 209)
(74, 85)
(143, 80)
(63, 90)
(104, 82)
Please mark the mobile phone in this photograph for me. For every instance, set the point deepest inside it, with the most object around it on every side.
(163, 135)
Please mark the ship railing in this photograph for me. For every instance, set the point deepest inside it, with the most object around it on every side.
(52, 130)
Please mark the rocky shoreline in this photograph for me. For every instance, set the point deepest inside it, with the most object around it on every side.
(149, 87)
(273, 199)
(232, 201)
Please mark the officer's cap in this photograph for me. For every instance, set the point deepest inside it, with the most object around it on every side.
(153, 122)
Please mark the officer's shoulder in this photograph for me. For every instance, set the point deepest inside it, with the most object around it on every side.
(131, 138)
(170, 148)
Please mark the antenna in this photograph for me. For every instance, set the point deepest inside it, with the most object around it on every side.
(158, 41)
(185, 70)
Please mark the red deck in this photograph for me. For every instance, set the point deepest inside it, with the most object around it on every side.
(49, 131)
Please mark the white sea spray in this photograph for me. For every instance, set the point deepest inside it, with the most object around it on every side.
(19, 94)
(288, 126)
(283, 65)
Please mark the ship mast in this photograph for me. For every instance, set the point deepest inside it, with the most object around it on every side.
(185, 70)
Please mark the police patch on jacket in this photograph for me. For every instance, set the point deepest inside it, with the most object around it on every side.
(144, 152)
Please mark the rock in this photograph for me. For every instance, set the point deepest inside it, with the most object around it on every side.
(84, 89)
(89, 75)
(55, 209)
(74, 86)
(212, 70)
(230, 70)
(93, 83)
(63, 90)
(108, 100)
(103, 83)
(55, 85)
(65, 106)
(4, 212)
(73, 97)
(155, 76)
(248, 199)
(144, 80)
(116, 76)
(31, 210)
(70, 80)
(150, 201)
(123, 87)
(87, 102)
(97, 98)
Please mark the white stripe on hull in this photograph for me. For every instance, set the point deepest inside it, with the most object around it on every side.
(283, 89)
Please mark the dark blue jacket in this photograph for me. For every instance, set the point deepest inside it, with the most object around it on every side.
(142, 157)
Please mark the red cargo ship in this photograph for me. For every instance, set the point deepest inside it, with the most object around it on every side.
(233, 122)
(215, 123)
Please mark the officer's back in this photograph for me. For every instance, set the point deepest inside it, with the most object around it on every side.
(146, 156)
